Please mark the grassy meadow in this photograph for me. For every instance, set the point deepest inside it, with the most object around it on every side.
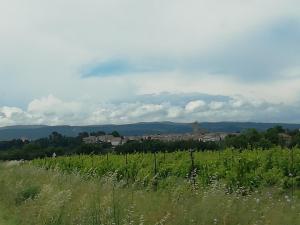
(227, 188)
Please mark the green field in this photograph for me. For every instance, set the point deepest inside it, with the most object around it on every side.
(249, 169)
(227, 188)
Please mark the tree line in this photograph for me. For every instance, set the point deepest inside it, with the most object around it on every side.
(63, 145)
(46, 147)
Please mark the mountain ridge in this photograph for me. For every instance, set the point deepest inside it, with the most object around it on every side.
(141, 128)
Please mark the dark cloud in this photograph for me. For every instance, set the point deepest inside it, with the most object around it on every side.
(262, 55)
(257, 57)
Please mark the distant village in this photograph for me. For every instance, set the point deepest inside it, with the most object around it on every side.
(198, 134)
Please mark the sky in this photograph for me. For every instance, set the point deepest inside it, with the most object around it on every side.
(85, 62)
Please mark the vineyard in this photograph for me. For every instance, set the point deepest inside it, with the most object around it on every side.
(230, 187)
(249, 168)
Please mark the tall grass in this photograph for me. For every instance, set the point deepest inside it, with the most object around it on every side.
(35, 196)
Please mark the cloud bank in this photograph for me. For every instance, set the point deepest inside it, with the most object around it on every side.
(109, 61)
(188, 108)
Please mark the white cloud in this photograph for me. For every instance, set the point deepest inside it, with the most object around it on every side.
(237, 102)
(293, 72)
(216, 105)
(174, 112)
(52, 104)
(194, 105)
(9, 112)
(53, 111)
(12, 116)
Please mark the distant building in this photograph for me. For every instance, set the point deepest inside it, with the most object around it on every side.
(285, 137)
(133, 138)
(105, 138)
(115, 141)
(90, 140)
(24, 139)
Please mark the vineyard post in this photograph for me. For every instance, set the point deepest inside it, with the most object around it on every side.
(155, 181)
(292, 173)
(107, 156)
(232, 158)
(155, 164)
(126, 161)
(192, 172)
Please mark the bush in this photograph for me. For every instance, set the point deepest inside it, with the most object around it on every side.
(28, 193)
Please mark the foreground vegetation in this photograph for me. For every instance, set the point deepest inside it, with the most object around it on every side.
(229, 187)
(248, 169)
(35, 196)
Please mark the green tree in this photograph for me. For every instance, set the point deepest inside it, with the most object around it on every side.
(115, 134)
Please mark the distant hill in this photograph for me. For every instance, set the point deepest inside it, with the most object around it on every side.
(39, 131)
